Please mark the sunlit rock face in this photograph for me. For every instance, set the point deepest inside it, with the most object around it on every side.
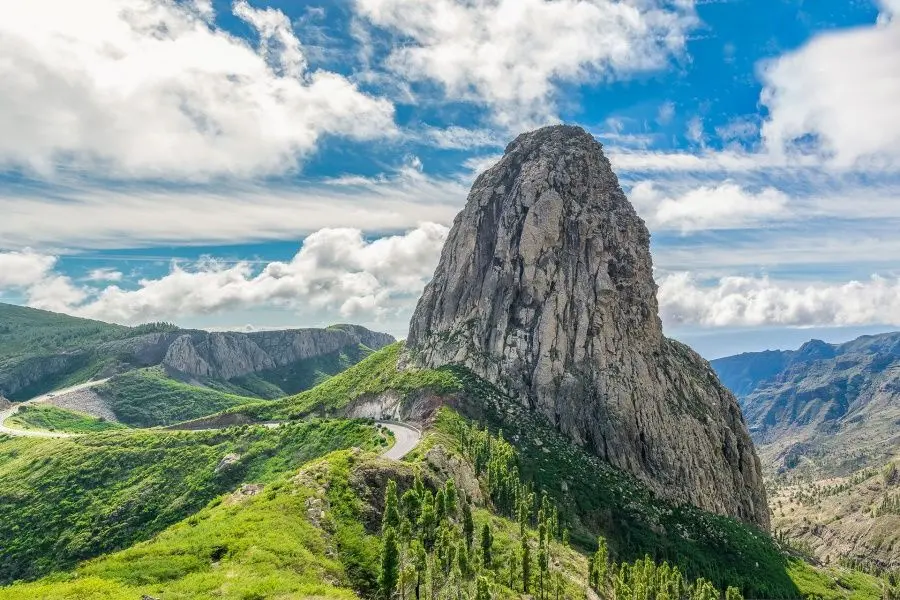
(545, 288)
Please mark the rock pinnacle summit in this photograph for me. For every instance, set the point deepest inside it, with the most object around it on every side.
(545, 288)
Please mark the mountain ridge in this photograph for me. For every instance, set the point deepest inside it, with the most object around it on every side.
(73, 350)
(832, 406)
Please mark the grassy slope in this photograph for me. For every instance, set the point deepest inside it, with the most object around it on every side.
(599, 499)
(316, 535)
(51, 418)
(147, 397)
(256, 547)
(27, 331)
(63, 500)
(376, 373)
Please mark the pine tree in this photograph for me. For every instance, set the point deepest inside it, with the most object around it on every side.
(487, 541)
(391, 517)
(390, 564)
(427, 521)
(542, 566)
(513, 570)
(411, 505)
(483, 590)
(526, 564)
(440, 506)
(468, 524)
(462, 559)
(732, 593)
(450, 498)
(420, 562)
(601, 563)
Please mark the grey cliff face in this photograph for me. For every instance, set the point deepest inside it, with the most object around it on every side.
(545, 288)
(228, 355)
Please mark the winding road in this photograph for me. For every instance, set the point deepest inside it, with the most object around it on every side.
(406, 437)
(5, 414)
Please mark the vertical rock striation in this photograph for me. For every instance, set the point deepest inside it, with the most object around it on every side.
(545, 288)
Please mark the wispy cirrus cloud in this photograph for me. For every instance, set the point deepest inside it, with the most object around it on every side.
(510, 55)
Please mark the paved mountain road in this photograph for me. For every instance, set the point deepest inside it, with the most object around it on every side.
(406, 437)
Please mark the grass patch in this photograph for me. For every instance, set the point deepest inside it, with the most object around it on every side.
(52, 418)
(148, 397)
(263, 546)
(65, 500)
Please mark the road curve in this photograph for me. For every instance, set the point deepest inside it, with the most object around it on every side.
(5, 414)
(406, 438)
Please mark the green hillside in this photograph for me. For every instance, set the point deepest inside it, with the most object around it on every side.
(50, 350)
(65, 500)
(148, 397)
(293, 378)
(326, 531)
(25, 331)
(594, 497)
(50, 418)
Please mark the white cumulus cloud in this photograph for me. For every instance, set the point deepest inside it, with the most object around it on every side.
(838, 95)
(150, 88)
(755, 301)
(336, 272)
(509, 55)
(723, 206)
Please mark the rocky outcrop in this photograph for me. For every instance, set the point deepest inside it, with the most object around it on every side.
(545, 289)
(228, 355)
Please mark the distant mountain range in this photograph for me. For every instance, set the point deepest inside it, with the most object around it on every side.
(830, 407)
(41, 351)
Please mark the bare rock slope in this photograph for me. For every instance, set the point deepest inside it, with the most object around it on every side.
(545, 288)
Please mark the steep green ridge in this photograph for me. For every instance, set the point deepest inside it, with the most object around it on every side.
(148, 397)
(64, 500)
(58, 346)
(319, 534)
(42, 351)
(52, 418)
(594, 497)
(25, 331)
(373, 375)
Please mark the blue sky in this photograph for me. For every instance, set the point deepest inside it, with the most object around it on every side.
(267, 164)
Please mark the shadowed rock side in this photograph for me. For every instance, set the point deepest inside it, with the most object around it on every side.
(545, 288)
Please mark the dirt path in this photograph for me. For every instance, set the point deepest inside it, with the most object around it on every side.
(5, 414)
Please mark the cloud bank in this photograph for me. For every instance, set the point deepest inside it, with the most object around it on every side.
(336, 271)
